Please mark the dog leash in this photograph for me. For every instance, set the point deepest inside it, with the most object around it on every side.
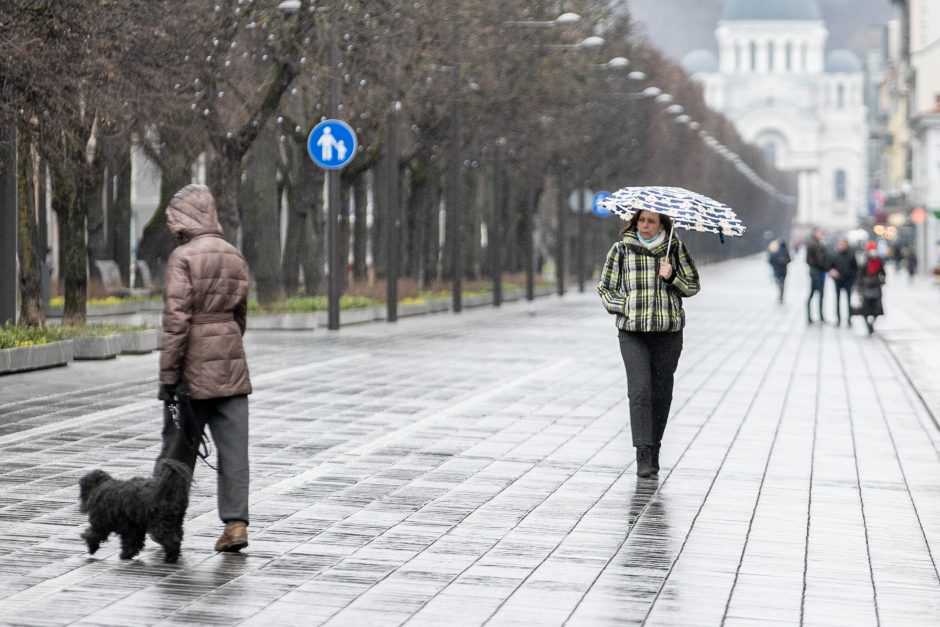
(202, 449)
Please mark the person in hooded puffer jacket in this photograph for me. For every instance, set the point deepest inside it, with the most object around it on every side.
(205, 304)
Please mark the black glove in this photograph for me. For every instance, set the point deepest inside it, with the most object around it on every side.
(167, 392)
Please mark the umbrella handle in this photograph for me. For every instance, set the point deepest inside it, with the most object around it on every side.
(669, 245)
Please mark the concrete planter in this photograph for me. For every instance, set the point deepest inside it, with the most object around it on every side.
(477, 300)
(427, 307)
(35, 357)
(288, 321)
(140, 342)
(358, 315)
(103, 347)
(99, 311)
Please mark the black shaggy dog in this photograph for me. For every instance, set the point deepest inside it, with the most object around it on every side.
(136, 507)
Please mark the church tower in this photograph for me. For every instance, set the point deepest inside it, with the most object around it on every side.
(774, 79)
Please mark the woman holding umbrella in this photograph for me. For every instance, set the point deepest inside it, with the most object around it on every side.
(646, 276)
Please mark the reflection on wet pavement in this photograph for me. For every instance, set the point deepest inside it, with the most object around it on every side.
(477, 469)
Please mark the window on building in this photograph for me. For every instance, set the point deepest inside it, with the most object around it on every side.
(770, 56)
(788, 56)
(840, 96)
(840, 185)
(738, 65)
(753, 56)
(770, 152)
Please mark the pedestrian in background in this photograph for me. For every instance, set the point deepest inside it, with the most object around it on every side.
(843, 272)
(644, 289)
(909, 261)
(778, 255)
(205, 303)
(870, 281)
(818, 262)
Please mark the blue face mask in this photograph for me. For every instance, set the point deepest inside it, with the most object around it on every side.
(644, 240)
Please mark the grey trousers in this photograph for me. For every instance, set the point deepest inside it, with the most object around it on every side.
(227, 418)
(650, 360)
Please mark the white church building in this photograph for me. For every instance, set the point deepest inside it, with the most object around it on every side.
(774, 79)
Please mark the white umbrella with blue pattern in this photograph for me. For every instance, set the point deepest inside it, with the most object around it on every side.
(686, 209)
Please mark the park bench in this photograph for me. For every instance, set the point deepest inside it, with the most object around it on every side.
(111, 279)
(146, 278)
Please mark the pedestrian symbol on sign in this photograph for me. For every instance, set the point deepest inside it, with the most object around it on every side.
(327, 143)
(331, 144)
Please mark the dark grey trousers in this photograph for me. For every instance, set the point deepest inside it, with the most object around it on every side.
(227, 418)
(650, 360)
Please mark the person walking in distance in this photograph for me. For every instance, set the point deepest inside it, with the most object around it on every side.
(643, 287)
(843, 272)
(870, 281)
(818, 263)
(778, 255)
(205, 296)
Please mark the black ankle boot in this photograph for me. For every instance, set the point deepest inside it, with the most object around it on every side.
(655, 461)
(644, 461)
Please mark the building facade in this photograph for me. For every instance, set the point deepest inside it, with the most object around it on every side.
(803, 105)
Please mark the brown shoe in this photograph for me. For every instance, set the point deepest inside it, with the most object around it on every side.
(234, 538)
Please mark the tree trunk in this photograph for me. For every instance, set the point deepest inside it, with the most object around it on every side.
(120, 210)
(422, 224)
(360, 233)
(156, 242)
(226, 189)
(248, 216)
(380, 210)
(31, 248)
(312, 254)
(94, 201)
(345, 187)
(68, 203)
(261, 201)
(304, 186)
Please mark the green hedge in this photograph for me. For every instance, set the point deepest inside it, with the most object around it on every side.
(303, 304)
(14, 336)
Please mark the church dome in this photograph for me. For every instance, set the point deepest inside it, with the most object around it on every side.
(843, 62)
(701, 60)
(760, 10)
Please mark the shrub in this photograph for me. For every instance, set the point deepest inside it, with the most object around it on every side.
(15, 336)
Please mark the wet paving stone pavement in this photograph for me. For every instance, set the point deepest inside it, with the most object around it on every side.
(477, 469)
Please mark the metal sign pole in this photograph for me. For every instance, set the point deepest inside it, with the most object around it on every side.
(392, 222)
(562, 234)
(332, 230)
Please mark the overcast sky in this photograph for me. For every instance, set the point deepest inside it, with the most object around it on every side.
(678, 26)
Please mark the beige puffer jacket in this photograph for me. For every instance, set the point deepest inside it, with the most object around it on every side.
(205, 302)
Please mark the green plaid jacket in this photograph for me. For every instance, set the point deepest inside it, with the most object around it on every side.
(631, 288)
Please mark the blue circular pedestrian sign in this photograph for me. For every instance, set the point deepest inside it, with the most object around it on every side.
(332, 144)
(599, 210)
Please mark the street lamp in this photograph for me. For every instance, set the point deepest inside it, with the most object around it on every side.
(289, 6)
(565, 19)
(588, 42)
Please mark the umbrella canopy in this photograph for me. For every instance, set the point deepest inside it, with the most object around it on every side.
(687, 210)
